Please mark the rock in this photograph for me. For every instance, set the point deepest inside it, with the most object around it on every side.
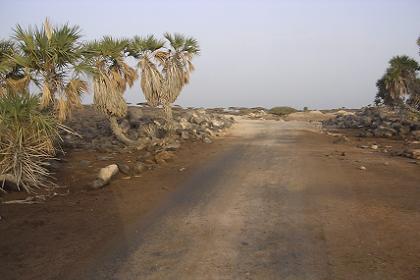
(184, 124)
(144, 156)
(172, 146)
(379, 121)
(188, 124)
(195, 118)
(104, 157)
(208, 131)
(384, 132)
(105, 175)
(185, 135)
(164, 156)
(362, 168)
(404, 131)
(343, 113)
(140, 168)
(217, 123)
(97, 184)
(415, 153)
(416, 134)
(374, 147)
(124, 168)
(84, 163)
(207, 140)
(340, 139)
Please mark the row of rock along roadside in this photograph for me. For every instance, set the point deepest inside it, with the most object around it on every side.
(383, 122)
(145, 124)
(380, 122)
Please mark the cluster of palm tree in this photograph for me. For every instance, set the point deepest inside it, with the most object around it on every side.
(52, 65)
(400, 85)
(56, 61)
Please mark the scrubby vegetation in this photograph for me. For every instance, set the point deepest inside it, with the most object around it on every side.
(28, 139)
(282, 111)
(44, 72)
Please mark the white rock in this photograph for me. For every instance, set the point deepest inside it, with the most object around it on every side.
(217, 123)
(105, 175)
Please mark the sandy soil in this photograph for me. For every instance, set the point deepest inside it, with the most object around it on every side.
(275, 200)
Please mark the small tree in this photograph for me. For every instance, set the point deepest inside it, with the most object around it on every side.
(27, 140)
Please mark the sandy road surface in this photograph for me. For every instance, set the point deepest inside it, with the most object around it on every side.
(274, 206)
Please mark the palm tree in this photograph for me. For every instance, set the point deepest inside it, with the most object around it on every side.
(176, 67)
(111, 76)
(147, 50)
(400, 77)
(164, 69)
(50, 57)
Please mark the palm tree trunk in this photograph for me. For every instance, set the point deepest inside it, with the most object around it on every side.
(116, 129)
(167, 114)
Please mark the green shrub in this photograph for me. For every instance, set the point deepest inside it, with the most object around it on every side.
(282, 111)
(28, 139)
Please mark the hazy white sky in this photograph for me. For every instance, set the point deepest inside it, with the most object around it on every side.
(319, 54)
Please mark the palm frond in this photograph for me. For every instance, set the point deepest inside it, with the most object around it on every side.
(151, 81)
(49, 55)
(138, 46)
(107, 98)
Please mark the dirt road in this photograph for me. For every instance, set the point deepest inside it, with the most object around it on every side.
(281, 202)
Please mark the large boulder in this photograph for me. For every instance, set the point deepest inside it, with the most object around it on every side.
(416, 134)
